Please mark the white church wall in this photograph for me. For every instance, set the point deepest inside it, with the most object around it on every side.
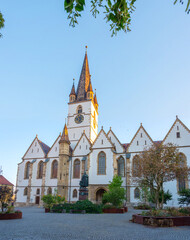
(34, 151)
(94, 178)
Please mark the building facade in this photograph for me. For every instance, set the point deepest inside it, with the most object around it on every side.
(80, 148)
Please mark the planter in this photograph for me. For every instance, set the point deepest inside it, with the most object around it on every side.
(161, 221)
(126, 209)
(47, 210)
(9, 216)
(113, 210)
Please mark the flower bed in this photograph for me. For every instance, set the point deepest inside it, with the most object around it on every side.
(169, 217)
(9, 216)
(113, 210)
(86, 205)
(162, 221)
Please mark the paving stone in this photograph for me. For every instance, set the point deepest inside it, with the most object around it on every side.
(37, 225)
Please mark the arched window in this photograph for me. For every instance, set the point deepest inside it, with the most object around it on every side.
(79, 109)
(121, 167)
(40, 169)
(25, 191)
(101, 163)
(49, 191)
(54, 168)
(27, 170)
(74, 193)
(182, 180)
(38, 191)
(136, 166)
(137, 193)
(76, 169)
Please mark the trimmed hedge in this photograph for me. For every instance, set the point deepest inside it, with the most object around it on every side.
(86, 205)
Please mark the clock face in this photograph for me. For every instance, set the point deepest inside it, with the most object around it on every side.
(79, 118)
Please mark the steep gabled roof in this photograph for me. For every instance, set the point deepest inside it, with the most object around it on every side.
(110, 131)
(141, 127)
(83, 134)
(54, 143)
(44, 147)
(177, 120)
(4, 181)
(102, 130)
(84, 80)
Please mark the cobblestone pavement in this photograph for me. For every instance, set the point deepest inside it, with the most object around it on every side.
(37, 225)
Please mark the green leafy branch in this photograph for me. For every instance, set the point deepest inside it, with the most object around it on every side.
(117, 12)
(187, 6)
(2, 21)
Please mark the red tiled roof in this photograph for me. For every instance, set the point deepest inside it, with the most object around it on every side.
(4, 181)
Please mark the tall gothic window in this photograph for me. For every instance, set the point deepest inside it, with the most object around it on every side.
(102, 163)
(27, 170)
(40, 169)
(74, 193)
(79, 109)
(181, 180)
(25, 191)
(136, 166)
(54, 168)
(121, 167)
(76, 169)
(137, 193)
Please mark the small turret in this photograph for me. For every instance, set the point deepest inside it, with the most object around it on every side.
(90, 93)
(65, 136)
(63, 166)
(72, 96)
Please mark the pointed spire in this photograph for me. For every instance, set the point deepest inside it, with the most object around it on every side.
(65, 136)
(95, 98)
(90, 86)
(84, 79)
(73, 89)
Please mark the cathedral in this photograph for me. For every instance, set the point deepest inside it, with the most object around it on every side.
(81, 148)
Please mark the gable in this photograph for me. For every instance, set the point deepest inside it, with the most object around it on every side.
(54, 150)
(178, 134)
(115, 141)
(82, 147)
(140, 141)
(35, 150)
(102, 141)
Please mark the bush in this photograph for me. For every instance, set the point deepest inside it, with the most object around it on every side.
(169, 212)
(49, 200)
(142, 207)
(184, 197)
(116, 193)
(86, 205)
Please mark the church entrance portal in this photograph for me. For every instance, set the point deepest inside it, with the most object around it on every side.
(37, 200)
(99, 195)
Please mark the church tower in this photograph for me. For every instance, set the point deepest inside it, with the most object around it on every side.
(83, 108)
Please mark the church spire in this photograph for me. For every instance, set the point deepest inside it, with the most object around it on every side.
(65, 136)
(72, 95)
(84, 79)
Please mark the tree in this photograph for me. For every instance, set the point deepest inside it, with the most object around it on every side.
(116, 193)
(159, 164)
(5, 196)
(117, 12)
(184, 197)
(1, 22)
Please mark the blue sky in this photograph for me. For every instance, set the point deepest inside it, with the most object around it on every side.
(142, 76)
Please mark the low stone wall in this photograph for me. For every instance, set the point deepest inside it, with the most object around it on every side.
(161, 221)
